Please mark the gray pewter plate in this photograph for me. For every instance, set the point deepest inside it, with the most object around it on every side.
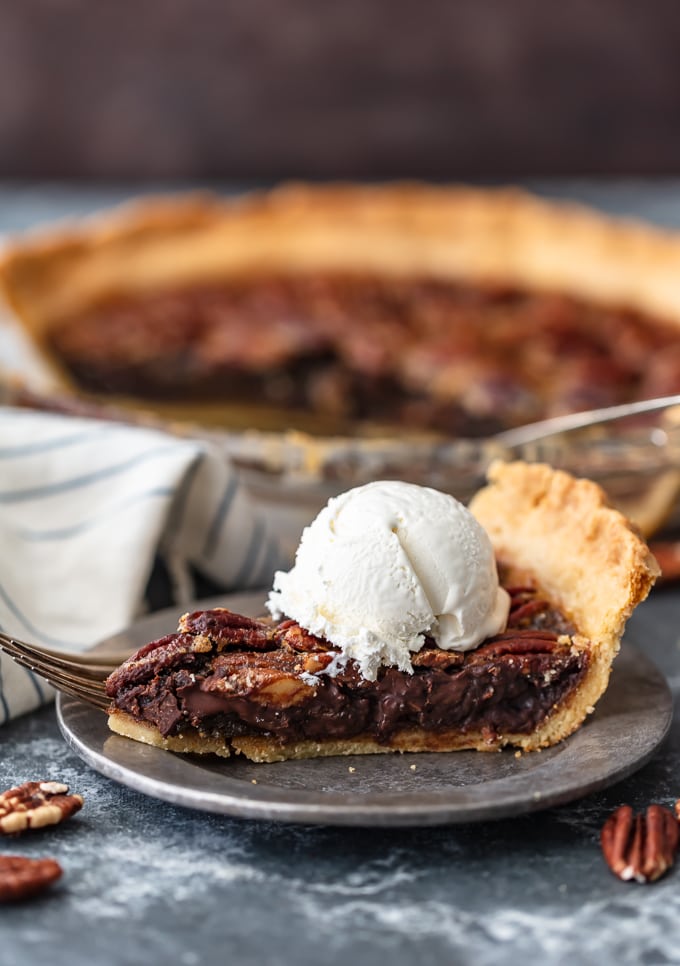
(629, 723)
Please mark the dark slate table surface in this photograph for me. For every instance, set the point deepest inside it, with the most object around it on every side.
(147, 882)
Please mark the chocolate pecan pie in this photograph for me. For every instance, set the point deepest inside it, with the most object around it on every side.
(574, 569)
(447, 309)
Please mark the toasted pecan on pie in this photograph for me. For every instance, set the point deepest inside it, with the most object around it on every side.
(574, 569)
(448, 309)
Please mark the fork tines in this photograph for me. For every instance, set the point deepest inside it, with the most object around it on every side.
(70, 674)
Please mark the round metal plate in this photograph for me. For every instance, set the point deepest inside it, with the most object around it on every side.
(385, 790)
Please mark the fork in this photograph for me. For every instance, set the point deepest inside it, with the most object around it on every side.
(571, 422)
(80, 675)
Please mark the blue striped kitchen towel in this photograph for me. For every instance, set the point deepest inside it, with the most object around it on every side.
(86, 508)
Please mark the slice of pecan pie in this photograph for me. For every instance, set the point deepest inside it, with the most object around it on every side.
(574, 570)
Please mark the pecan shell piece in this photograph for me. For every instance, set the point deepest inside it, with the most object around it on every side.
(35, 805)
(640, 847)
(21, 877)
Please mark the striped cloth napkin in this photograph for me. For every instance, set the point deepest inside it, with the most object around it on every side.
(88, 509)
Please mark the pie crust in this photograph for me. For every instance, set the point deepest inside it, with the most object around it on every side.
(403, 229)
(548, 529)
(584, 555)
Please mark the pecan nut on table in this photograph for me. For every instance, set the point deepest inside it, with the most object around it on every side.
(21, 877)
(36, 804)
(642, 847)
(32, 805)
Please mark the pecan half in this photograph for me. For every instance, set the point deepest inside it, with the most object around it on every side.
(518, 642)
(21, 877)
(166, 653)
(36, 804)
(436, 658)
(226, 629)
(521, 612)
(640, 847)
(290, 634)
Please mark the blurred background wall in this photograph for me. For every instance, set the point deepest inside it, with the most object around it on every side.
(257, 89)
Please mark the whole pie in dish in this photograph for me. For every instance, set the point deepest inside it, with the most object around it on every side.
(574, 570)
(451, 310)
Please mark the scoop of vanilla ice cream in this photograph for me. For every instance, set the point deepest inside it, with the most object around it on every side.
(384, 565)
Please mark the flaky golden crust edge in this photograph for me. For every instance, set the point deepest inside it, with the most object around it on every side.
(583, 554)
(561, 530)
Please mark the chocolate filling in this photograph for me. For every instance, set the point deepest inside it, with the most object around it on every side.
(210, 677)
(419, 352)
